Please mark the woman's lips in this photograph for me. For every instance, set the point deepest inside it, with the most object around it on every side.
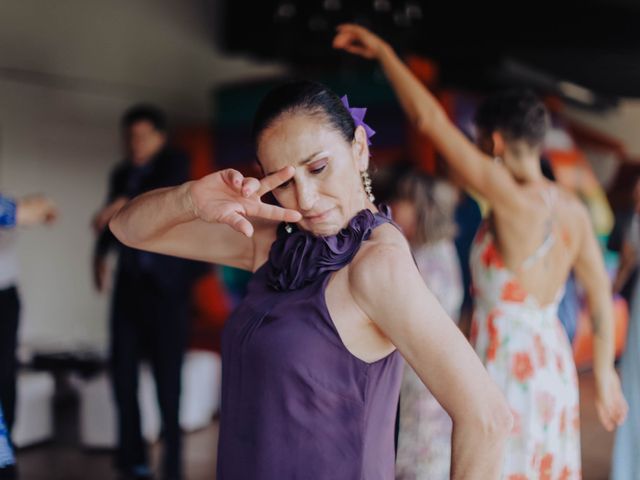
(320, 217)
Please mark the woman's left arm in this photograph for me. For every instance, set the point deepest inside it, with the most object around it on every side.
(388, 288)
(628, 261)
(592, 275)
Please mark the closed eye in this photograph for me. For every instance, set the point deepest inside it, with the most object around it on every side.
(318, 166)
(284, 185)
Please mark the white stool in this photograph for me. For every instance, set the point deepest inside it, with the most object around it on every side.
(34, 415)
(201, 381)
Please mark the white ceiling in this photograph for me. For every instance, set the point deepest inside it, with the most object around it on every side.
(161, 50)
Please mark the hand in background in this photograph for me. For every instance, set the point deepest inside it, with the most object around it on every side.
(610, 402)
(35, 210)
(358, 40)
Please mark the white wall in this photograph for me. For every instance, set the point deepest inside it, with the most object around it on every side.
(67, 71)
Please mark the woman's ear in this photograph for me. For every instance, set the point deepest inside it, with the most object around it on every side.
(498, 144)
(360, 149)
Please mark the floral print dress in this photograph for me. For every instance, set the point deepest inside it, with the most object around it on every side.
(527, 353)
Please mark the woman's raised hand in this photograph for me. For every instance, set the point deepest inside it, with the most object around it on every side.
(229, 197)
(358, 40)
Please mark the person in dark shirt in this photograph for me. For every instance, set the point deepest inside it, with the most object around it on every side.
(149, 310)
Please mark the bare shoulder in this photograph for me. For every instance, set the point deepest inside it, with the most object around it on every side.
(573, 211)
(382, 258)
(574, 219)
(386, 240)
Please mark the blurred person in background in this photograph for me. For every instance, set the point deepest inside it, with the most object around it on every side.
(626, 461)
(23, 212)
(424, 209)
(468, 218)
(536, 234)
(150, 300)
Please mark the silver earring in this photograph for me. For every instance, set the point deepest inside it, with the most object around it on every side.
(498, 159)
(288, 228)
(366, 183)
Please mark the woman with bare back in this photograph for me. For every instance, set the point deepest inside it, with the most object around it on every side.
(536, 234)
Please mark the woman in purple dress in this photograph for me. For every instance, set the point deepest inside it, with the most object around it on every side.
(312, 357)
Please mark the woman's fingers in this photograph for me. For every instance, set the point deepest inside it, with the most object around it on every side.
(345, 40)
(622, 408)
(272, 212)
(233, 179)
(351, 28)
(239, 223)
(614, 412)
(355, 50)
(341, 40)
(276, 179)
(605, 417)
(357, 40)
(250, 186)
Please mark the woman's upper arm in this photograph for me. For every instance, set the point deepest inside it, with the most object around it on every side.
(589, 263)
(476, 170)
(387, 286)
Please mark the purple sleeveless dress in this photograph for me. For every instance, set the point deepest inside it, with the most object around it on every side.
(296, 404)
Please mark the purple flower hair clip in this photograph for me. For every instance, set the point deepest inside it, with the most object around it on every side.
(358, 117)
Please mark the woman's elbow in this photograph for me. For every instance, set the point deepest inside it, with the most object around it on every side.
(500, 423)
(116, 225)
(494, 422)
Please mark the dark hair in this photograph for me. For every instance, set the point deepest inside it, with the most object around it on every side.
(311, 98)
(547, 168)
(518, 114)
(145, 113)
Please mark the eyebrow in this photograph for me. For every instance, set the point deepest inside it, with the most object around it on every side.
(308, 159)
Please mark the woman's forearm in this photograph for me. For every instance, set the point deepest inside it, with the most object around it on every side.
(150, 215)
(429, 118)
(602, 322)
(418, 103)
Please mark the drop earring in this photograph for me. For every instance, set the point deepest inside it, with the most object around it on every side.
(366, 183)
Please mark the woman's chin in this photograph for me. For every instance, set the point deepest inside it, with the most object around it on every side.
(321, 229)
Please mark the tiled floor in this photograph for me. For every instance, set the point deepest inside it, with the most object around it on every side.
(62, 460)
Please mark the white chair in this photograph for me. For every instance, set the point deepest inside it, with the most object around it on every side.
(201, 381)
(34, 404)
(200, 400)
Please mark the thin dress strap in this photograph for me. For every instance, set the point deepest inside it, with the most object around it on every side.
(549, 196)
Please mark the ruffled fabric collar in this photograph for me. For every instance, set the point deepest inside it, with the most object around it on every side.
(299, 258)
